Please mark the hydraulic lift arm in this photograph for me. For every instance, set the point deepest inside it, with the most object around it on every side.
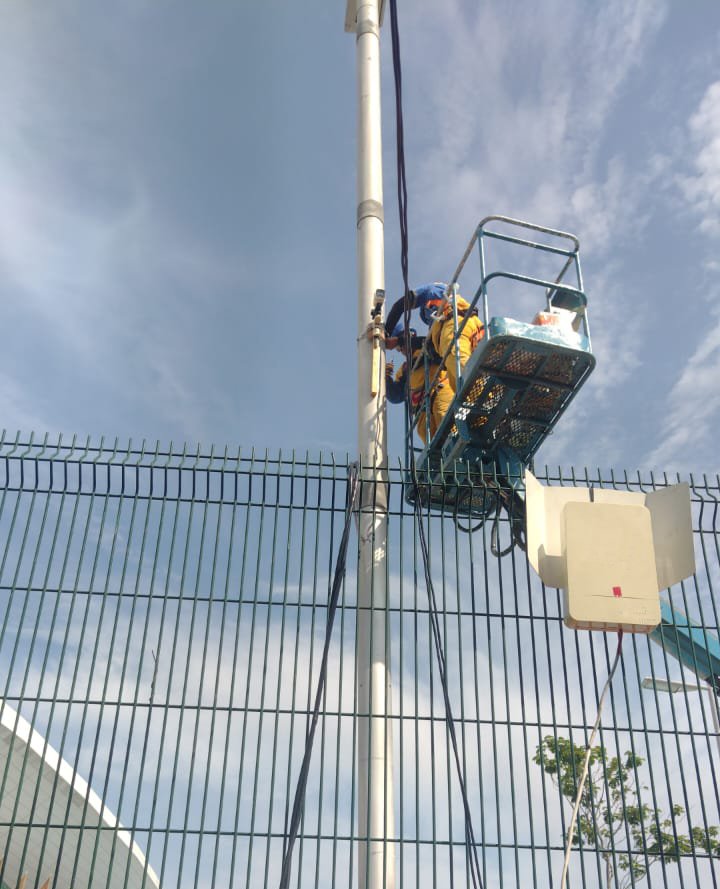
(692, 645)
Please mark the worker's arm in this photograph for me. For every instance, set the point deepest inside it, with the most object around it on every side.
(417, 299)
(395, 386)
(397, 311)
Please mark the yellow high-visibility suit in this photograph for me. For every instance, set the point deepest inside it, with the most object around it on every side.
(441, 336)
(441, 395)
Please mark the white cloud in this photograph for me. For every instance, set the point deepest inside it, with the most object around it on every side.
(500, 144)
(702, 190)
(693, 410)
(514, 113)
(692, 421)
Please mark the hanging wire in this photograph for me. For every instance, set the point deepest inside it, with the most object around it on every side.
(516, 532)
(586, 763)
(495, 539)
(504, 499)
(299, 799)
(470, 842)
(515, 510)
(470, 528)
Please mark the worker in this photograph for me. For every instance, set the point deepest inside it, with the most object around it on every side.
(442, 332)
(395, 386)
(425, 298)
(436, 311)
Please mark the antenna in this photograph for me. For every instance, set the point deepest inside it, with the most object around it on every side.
(610, 551)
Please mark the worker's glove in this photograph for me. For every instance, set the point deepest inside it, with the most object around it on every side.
(389, 369)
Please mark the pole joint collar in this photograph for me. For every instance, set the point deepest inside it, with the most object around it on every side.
(370, 208)
(367, 26)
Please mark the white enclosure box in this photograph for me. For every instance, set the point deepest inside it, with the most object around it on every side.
(611, 578)
(610, 551)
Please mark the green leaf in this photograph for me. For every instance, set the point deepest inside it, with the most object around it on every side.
(610, 808)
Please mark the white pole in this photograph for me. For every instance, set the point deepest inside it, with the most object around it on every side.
(376, 856)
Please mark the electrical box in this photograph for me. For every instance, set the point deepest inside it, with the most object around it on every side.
(610, 551)
(611, 578)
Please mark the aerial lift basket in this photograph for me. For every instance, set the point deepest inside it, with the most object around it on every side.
(515, 386)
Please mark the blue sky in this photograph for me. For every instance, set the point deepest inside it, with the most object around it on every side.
(177, 235)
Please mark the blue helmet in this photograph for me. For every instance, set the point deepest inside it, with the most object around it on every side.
(428, 298)
(399, 330)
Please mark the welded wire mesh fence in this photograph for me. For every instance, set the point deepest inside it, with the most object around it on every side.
(162, 615)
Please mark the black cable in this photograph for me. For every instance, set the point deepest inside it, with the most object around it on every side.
(471, 846)
(495, 539)
(516, 535)
(515, 508)
(489, 513)
(470, 529)
(504, 499)
(299, 799)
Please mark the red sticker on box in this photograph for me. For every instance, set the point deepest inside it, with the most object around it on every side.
(617, 592)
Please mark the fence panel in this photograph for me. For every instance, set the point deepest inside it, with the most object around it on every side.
(162, 622)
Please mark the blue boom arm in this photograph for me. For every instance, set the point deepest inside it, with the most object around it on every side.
(688, 643)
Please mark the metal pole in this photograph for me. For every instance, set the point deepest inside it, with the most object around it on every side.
(674, 686)
(376, 853)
